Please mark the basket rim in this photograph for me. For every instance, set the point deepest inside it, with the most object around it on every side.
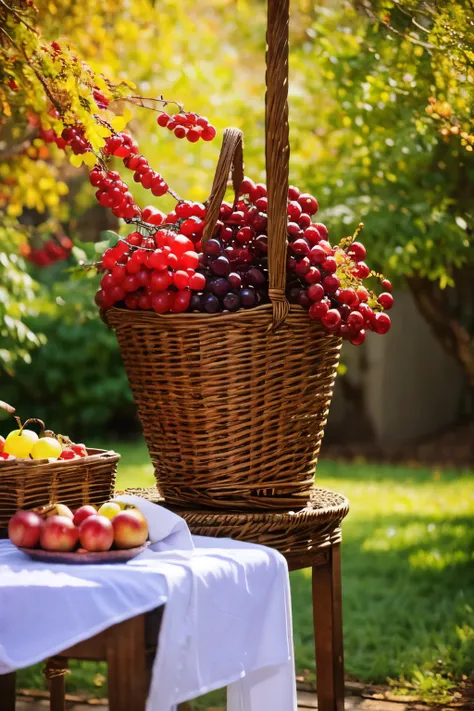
(295, 309)
(95, 456)
(214, 517)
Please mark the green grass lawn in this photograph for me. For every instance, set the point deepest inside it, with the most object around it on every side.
(408, 575)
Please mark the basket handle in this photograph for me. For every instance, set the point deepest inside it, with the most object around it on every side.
(277, 153)
(8, 408)
(230, 163)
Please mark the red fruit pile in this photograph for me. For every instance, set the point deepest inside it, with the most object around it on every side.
(156, 272)
(73, 451)
(113, 192)
(187, 125)
(167, 269)
(85, 530)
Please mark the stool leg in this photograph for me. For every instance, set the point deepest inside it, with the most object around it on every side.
(7, 691)
(327, 619)
(127, 662)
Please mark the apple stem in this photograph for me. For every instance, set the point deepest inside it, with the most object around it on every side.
(33, 420)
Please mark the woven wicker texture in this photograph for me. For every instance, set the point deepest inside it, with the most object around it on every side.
(233, 414)
(27, 484)
(298, 535)
(233, 406)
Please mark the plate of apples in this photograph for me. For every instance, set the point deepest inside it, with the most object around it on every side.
(115, 532)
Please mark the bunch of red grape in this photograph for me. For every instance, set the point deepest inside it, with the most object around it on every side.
(113, 192)
(158, 272)
(164, 266)
(168, 269)
(187, 125)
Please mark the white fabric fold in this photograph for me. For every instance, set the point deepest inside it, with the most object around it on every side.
(167, 531)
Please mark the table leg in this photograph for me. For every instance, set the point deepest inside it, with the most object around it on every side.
(7, 691)
(57, 693)
(327, 619)
(127, 666)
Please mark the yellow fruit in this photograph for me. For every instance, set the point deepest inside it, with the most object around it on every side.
(20, 443)
(60, 510)
(46, 448)
(109, 510)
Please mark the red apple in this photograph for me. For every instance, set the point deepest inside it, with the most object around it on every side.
(24, 529)
(96, 533)
(130, 529)
(2, 442)
(59, 534)
(83, 513)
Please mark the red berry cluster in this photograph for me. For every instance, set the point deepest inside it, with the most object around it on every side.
(170, 270)
(49, 135)
(121, 145)
(100, 99)
(52, 251)
(328, 280)
(113, 193)
(75, 139)
(74, 451)
(187, 125)
(154, 272)
(145, 175)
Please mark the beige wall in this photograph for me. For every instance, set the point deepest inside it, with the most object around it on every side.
(411, 386)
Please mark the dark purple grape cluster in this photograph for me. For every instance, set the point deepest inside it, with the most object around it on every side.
(234, 261)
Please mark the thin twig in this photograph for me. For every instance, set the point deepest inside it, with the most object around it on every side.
(30, 64)
(140, 101)
(175, 195)
(19, 17)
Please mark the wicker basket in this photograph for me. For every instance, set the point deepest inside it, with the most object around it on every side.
(26, 484)
(30, 483)
(233, 406)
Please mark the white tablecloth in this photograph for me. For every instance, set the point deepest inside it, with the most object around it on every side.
(227, 619)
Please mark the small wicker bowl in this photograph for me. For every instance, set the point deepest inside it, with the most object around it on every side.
(27, 484)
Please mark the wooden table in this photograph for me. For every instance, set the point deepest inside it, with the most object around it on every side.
(129, 649)
(310, 538)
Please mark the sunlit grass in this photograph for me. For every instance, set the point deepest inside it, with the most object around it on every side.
(408, 574)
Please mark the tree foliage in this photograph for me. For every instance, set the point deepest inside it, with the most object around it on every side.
(381, 119)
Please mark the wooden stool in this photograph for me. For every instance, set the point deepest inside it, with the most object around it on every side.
(309, 538)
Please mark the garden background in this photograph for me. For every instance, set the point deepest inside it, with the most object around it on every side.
(381, 126)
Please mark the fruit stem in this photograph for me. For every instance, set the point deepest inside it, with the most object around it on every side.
(34, 420)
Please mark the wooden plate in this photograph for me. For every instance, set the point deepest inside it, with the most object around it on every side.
(75, 558)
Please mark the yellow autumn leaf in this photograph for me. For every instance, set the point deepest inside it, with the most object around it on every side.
(118, 123)
(51, 199)
(90, 159)
(76, 161)
(14, 210)
(102, 131)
